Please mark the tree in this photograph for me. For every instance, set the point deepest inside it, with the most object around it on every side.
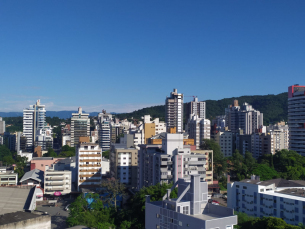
(90, 213)
(137, 209)
(8, 160)
(112, 189)
(20, 165)
(265, 172)
(50, 153)
(106, 154)
(4, 151)
(219, 161)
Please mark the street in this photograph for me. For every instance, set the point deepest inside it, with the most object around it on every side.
(57, 213)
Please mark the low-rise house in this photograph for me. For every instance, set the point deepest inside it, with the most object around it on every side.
(33, 177)
(8, 176)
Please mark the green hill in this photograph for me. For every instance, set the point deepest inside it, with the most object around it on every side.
(274, 108)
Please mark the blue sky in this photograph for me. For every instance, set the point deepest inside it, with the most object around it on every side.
(125, 55)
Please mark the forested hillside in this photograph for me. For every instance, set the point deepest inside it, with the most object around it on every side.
(274, 107)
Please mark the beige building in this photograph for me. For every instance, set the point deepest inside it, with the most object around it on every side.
(8, 177)
(89, 160)
(57, 181)
(124, 165)
(80, 126)
(209, 164)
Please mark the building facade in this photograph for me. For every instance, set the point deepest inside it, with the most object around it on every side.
(278, 198)
(8, 177)
(80, 126)
(89, 160)
(190, 210)
(225, 140)
(2, 126)
(34, 118)
(296, 118)
(195, 108)
(174, 111)
(124, 165)
(57, 181)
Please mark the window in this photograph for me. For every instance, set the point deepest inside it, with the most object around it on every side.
(158, 215)
(180, 223)
(244, 187)
(92, 147)
(186, 210)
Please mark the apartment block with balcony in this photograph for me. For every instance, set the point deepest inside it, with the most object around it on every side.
(124, 165)
(89, 162)
(225, 141)
(174, 111)
(57, 181)
(80, 126)
(278, 198)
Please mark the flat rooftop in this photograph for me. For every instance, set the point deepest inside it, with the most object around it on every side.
(279, 183)
(18, 216)
(293, 192)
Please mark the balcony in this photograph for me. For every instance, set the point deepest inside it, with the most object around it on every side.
(55, 178)
(91, 165)
(90, 155)
(90, 160)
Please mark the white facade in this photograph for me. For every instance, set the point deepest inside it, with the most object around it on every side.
(57, 181)
(174, 111)
(34, 118)
(199, 129)
(278, 198)
(89, 162)
(190, 210)
(29, 156)
(2, 126)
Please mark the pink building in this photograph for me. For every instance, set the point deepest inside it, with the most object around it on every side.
(41, 162)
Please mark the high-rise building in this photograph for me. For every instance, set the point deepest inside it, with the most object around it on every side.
(195, 108)
(245, 118)
(199, 129)
(34, 118)
(2, 126)
(225, 141)
(88, 163)
(296, 118)
(80, 126)
(104, 120)
(174, 111)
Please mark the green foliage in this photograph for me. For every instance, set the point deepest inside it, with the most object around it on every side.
(50, 153)
(137, 209)
(15, 122)
(93, 215)
(249, 222)
(219, 161)
(274, 107)
(67, 151)
(242, 166)
(4, 151)
(265, 172)
(8, 160)
(20, 165)
(106, 154)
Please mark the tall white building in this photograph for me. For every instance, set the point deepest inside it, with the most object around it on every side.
(280, 133)
(296, 118)
(80, 126)
(198, 129)
(245, 118)
(195, 108)
(174, 111)
(2, 126)
(34, 118)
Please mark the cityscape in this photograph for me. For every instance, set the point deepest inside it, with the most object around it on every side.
(152, 114)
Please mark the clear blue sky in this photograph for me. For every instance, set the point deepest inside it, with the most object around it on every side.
(125, 55)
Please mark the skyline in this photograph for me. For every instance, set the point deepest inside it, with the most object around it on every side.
(124, 56)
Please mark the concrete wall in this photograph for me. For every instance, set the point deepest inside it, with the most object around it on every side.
(42, 222)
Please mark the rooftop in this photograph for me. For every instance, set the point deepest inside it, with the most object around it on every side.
(35, 174)
(279, 183)
(15, 198)
(293, 192)
(18, 216)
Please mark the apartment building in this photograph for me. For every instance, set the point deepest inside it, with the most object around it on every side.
(80, 126)
(296, 118)
(168, 162)
(174, 111)
(44, 138)
(280, 134)
(190, 210)
(88, 159)
(195, 108)
(208, 164)
(34, 118)
(245, 118)
(225, 140)
(57, 182)
(198, 129)
(124, 165)
(278, 198)
(8, 176)
(2, 126)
